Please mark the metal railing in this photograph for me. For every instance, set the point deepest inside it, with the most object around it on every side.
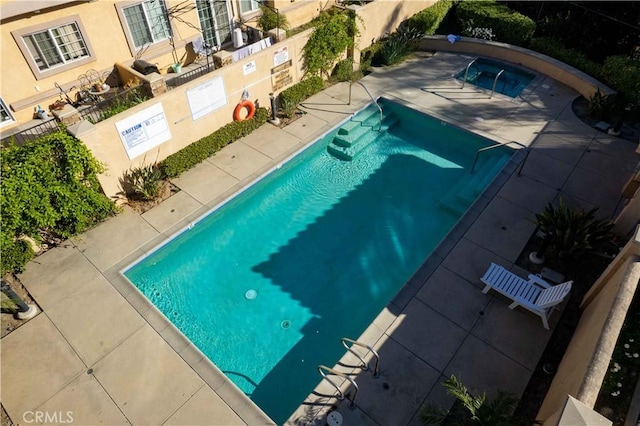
(364, 365)
(107, 107)
(466, 72)
(495, 81)
(31, 133)
(487, 148)
(372, 98)
(325, 372)
(188, 76)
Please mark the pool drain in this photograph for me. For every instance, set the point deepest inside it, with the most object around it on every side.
(285, 324)
(251, 294)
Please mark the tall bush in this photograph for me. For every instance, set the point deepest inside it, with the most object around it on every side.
(331, 37)
(507, 25)
(428, 20)
(49, 190)
(623, 75)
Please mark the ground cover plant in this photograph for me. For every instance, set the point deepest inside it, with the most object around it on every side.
(50, 191)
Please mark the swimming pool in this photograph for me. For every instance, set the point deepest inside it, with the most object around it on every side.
(262, 285)
(483, 72)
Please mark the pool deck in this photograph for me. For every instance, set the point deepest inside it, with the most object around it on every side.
(99, 350)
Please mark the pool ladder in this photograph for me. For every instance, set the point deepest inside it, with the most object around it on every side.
(327, 372)
(466, 75)
(372, 98)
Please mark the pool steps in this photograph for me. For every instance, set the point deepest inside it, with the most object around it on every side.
(355, 135)
(461, 195)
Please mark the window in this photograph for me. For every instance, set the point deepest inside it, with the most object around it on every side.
(148, 22)
(55, 46)
(247, 6)
(5, 114)
(214, 21)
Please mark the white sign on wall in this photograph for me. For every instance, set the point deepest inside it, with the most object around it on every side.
(249, 67)
(280, 56)
(206, 97)
(144, 130)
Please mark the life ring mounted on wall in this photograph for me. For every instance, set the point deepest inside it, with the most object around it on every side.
(249, 106)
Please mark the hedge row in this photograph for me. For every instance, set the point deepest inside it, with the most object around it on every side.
(507, 25)
(428, 20)
(204, 148)
(555, 49)
(301, 91)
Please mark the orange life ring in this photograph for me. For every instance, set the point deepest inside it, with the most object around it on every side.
(251, 110)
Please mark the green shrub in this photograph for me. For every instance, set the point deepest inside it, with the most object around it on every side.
(507, 25)
(369, 57)
(121, 103)
(623, 75)
(557, 50)
(49, 188)
(15, 254)
(600, 105)
(398, 45)
(204, 148)
(269, 20)
(144, 182)
(428, 20)
(333, 34)
(292, 96)
(571, 233)
(343, 70)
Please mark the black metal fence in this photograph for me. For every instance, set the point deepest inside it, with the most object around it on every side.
(190, 75)
(112, 105)
(23, 136)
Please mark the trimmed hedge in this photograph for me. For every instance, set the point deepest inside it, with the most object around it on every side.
(301, 91)
(428, 20)
(204, 148)
(555, 48)
(507, 25)
(291, 97)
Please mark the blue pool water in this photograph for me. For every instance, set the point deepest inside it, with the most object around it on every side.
(268, 284)
(483, 72)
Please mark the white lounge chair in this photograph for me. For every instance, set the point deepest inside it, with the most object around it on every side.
(536, 295)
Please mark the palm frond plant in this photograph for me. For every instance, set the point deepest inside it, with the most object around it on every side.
(471, 410)
(570, 232)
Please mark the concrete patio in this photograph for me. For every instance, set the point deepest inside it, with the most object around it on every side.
(100, 350)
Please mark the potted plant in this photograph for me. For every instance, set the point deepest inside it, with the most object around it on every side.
(569, 232)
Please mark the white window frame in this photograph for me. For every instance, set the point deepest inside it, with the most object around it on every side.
(4, 107)
(216, 25)
(255, 6)
(20, 36)
(157, 43)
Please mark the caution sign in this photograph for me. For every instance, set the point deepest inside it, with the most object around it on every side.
(281, 75)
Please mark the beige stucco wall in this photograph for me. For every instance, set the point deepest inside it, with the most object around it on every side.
(566, 74)
(586, 360)
(380, 17)
(107, 147)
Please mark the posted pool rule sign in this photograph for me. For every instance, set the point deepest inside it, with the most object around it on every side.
(281, 75)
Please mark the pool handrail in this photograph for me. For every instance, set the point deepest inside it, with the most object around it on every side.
(466, 73)
(372, 98)
(495, 81)
(365, 365)
(487, 148)
(323, 368)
